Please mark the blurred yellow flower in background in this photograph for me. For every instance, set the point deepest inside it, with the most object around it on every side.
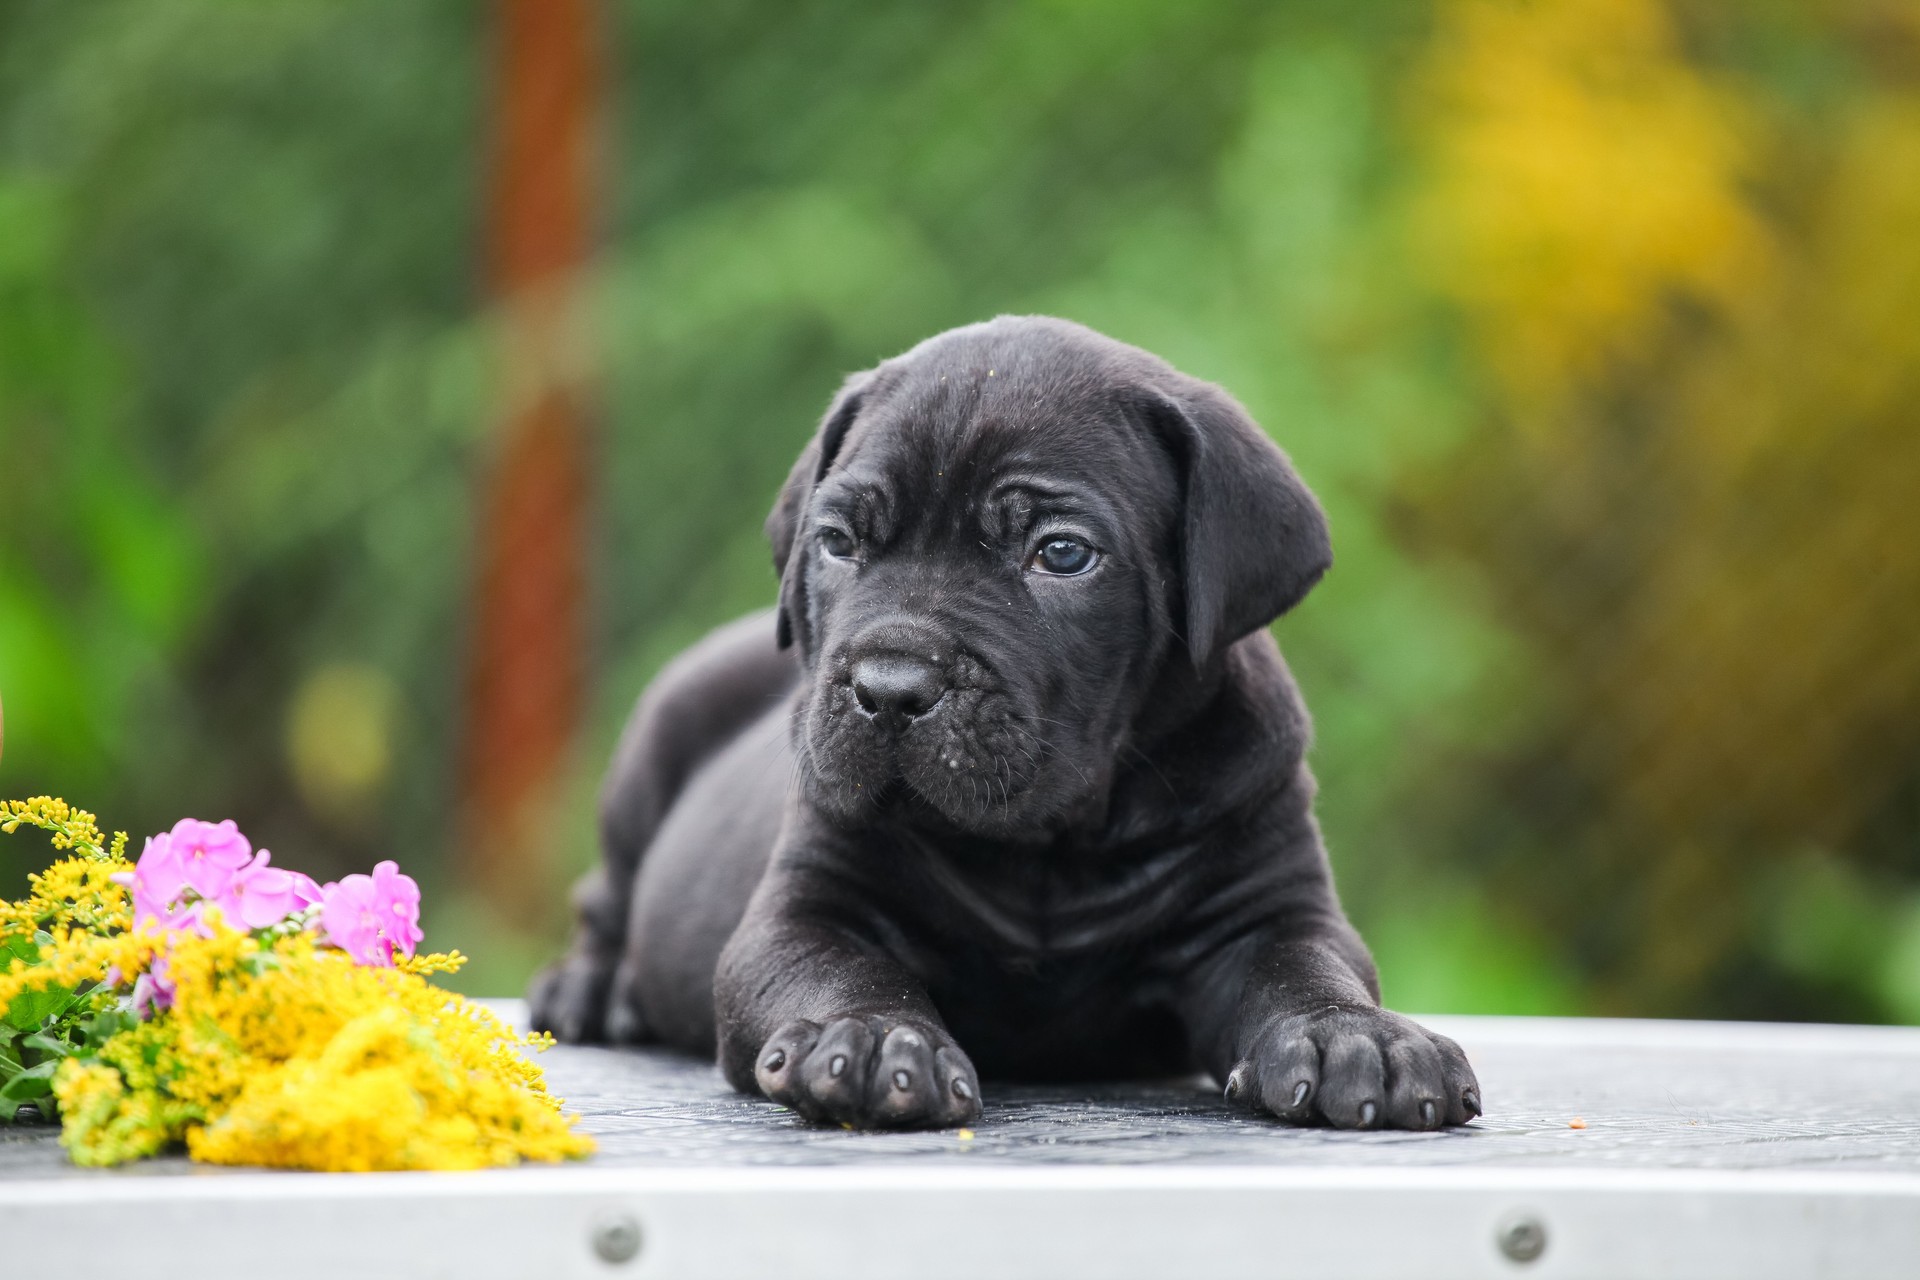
(1580, 175)
(1692, 486)
(340, 731)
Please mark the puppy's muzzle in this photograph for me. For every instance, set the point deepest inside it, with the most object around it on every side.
(894, 690)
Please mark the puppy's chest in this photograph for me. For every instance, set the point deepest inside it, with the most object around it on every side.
(1051, 917)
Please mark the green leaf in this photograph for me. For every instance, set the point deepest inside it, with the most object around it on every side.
(30, 1009)
(47, 1044)
(106, 1024)
(261, 962)
(34, 1082)
(19, 946)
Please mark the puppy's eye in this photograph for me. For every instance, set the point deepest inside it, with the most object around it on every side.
(1063, 557)
(837, 542)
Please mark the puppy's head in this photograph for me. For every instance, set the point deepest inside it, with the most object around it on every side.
(992, 548)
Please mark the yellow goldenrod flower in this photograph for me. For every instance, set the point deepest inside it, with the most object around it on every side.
(275, 1050)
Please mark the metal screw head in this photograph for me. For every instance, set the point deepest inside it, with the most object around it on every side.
(1522, 1237)
(616, 1238)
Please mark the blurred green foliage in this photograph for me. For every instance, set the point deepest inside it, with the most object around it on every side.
(1524, 288)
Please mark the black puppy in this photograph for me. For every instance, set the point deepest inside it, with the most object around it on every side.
(1013, 778)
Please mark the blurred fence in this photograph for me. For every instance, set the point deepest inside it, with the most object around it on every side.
(1596, 324)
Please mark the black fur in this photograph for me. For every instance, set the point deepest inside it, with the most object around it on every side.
(945, 811)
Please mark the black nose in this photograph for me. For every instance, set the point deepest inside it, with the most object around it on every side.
(896, 689)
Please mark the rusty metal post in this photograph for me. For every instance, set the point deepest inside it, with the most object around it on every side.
(526, 666)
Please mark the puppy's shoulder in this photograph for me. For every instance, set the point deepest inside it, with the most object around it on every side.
(744, 652)
(709, 691)
(1258, 674)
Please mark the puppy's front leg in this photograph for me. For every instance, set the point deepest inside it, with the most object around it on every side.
(1308, 1041)
(815, 1015)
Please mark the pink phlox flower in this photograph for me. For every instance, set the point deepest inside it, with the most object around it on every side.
(209, 854)
(153, 990)
(260, 895)
(400, 900)
(157, 878)
(151, 911)
(372, 917)
(306, 891)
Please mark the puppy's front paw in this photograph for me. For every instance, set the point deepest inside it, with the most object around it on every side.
(1357, 1069)
(870, 1073)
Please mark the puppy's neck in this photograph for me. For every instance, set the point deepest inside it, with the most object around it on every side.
(1181, 694)
(1206, 742)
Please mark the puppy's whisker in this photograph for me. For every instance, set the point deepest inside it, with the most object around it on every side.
(1030, 758)
(1048, 751)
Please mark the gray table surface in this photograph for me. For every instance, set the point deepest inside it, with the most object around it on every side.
(1653, 1095)
(1730, 1151)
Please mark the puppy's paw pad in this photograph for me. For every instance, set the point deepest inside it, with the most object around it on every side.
(869, 1073)
(1357, 1068)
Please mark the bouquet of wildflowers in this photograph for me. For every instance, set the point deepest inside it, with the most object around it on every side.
(203, 996)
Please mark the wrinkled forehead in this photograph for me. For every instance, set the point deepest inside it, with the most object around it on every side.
(990, 446)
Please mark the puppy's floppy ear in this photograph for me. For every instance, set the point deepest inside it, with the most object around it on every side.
(1253, 540)
(790, 508)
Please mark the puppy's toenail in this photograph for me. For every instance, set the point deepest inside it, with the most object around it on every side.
(838, 1065)
(1236, 1083)
(1471, 1101)
(1427, 1114)
(902, 1081)
(775, 1060)
(961, 1089)
(1368, 1113)
(1300, 1092)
